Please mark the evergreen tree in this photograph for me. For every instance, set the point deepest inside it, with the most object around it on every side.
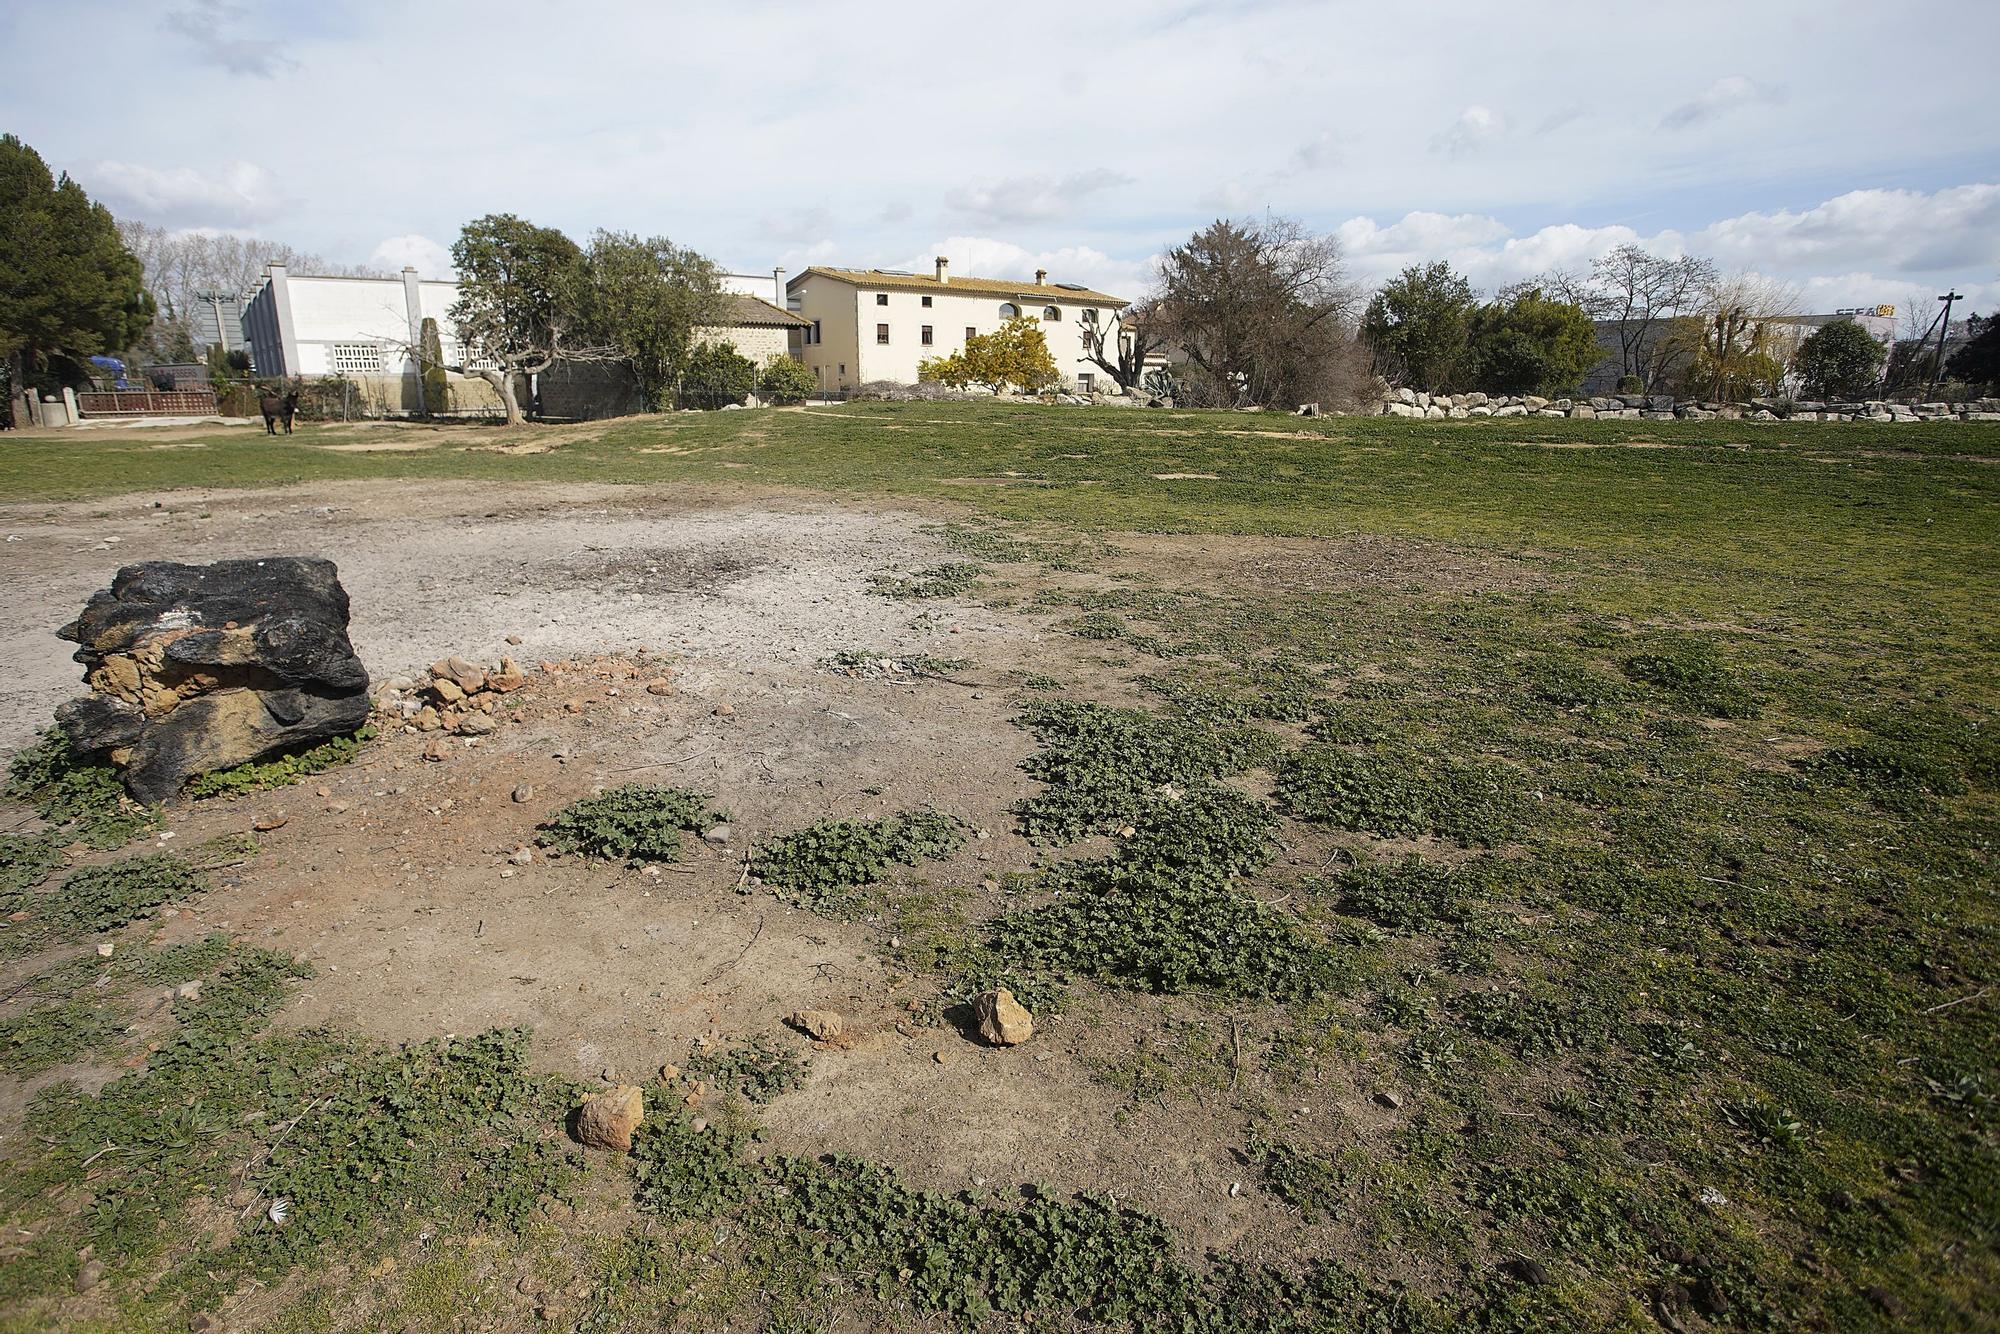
(69, 289)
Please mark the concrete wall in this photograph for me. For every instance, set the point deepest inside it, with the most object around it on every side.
(848, 317)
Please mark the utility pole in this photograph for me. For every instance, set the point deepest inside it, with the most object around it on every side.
(1944, 327)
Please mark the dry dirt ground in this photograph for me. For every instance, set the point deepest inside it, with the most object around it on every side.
(393, 876)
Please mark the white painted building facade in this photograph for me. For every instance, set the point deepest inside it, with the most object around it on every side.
(869, 325)
(306, 325)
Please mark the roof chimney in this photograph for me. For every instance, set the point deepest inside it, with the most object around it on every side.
(778, 284)
(1041, 277)
(942, 265)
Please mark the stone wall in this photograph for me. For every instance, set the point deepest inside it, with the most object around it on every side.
(1665, 407)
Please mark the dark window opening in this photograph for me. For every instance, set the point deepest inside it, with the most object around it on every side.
(881, 333)
(927, 335)
(881, 298)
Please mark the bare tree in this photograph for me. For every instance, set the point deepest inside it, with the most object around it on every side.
(1644, 294)
(184, 267)
(1129, 338)
(1263, 311)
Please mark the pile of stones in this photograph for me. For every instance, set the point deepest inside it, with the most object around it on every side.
(455, 696)
(1665, 407)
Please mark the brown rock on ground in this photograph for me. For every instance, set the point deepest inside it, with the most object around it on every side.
(820, 1025)
(608, 1120)
(1003, 1021)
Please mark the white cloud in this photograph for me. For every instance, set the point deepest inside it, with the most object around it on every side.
(430, 259)
(1475, 128)
(1719, 98)
(1853, 250)
(1325, 149)
(234, 195)
(1033, 198)
(210, 29)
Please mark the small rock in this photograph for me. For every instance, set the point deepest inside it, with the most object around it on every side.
(476, 724)
(524, 793)
(669, 1072)
(522, 856)
(1527, 1271)
(941, 1056)
(724, 711)
(608, 1120)
(719, 835)
(448, 690)
(89, 1275)
(106, 950)
(1389, 1098)
(436, 751)
(188, 991)
(820, 1025)
(660, 686)
(1003, 1021)
(323, 791)
(267, 823)
(336, 807)
(513, 639)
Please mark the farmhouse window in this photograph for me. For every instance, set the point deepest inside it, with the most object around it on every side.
(881, 298)
(881, 333)
(1050, 314)
(1008, 310)
(357, 358)
(927, 335)
(927, 303)
(970, 333)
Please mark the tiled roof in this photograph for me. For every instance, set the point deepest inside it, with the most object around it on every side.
(1004, 287)
(742, 310)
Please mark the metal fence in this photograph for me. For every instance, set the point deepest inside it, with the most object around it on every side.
(147, 403)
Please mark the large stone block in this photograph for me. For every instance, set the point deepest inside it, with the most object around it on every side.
(194, 668)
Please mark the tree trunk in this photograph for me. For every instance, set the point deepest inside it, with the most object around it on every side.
(503, 383)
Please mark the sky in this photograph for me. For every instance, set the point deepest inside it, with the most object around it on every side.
(1848, 149)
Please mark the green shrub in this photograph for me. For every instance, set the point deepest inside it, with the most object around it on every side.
(633, 821)
(787, 380)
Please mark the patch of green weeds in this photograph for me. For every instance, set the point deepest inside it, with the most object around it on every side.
(681, 1172)
(1314, 1185)
(1413, 894)
(1395, 793)
(757, 1071)
(1106, 767)
(258, 775)
(1168, 938)
(26, 860)
(1175, 1058)
(949, 580)
(1097, 625)
(633, 822)
(1689, 673)
(86, 801)
(819, 866)
(49, 1034)
(102, 898)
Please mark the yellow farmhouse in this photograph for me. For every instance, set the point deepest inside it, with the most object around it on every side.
(867, 325)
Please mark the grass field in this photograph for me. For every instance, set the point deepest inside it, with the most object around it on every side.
(1654, 775)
